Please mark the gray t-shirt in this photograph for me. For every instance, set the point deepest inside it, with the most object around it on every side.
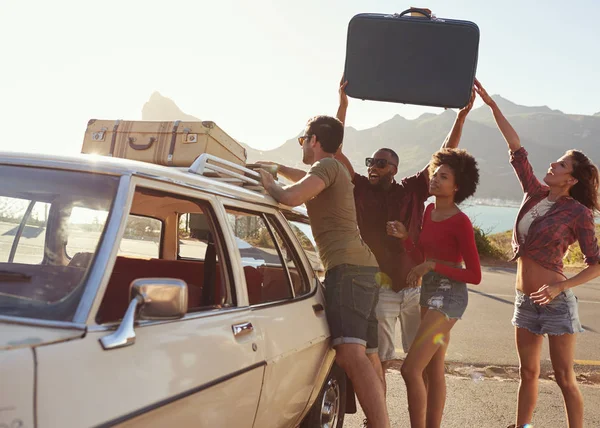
(332, 216)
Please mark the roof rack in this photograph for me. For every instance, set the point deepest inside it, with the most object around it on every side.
(223, 170)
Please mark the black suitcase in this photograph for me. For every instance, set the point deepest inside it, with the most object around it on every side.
(419, 60)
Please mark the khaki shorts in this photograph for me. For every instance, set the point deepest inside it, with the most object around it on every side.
(392, 307)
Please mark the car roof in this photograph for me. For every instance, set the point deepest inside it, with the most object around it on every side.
(124, 167)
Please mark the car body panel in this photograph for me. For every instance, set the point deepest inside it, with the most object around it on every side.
(20, 336)
(167, 359)
(17, 371)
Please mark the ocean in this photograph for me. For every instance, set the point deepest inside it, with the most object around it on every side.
(493, 216)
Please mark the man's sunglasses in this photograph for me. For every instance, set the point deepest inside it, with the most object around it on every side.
(303, 138)
(379, 163)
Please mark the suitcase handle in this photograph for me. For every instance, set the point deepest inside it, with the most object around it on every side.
(414, 9)
(140, 146)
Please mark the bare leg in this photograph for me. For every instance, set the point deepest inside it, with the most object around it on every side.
(367, 384)
(436, 391)
(433, 326)
(378, 366)
(529, 347)
(562, 352)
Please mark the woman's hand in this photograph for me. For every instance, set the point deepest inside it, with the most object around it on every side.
(483, 93)
(413, 279)
(396, 229)
(546, 293)
(466, 109)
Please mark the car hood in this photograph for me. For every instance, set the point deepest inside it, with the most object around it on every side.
(19, 336)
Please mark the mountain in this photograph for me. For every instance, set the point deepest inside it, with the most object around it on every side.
(597, 114)
(546, 133)
(159, 107)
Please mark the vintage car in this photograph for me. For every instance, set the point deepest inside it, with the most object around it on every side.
(134, 294)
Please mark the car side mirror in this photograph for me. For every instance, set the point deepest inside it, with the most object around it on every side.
(151, 299)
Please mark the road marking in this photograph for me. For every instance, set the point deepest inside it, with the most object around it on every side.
(483, 293)
(587, 362)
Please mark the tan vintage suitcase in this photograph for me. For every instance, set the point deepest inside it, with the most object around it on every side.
(165, 143)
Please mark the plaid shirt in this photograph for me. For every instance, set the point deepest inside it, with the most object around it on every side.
(550, 236)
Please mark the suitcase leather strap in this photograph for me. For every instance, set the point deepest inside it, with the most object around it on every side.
(113, 139)
(173, 142)
(131, 141)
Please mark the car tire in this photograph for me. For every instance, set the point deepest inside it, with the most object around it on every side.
(329, 408)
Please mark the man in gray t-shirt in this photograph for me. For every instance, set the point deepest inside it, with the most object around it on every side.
(351, 291)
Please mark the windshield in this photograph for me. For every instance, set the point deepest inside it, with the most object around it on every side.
(51, 223)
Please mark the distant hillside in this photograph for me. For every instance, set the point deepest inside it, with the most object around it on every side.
(546, 133)
(160, 107)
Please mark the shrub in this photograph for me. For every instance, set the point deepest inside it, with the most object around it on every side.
(574, 256)
(485, 246)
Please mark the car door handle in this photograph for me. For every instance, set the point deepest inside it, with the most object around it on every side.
(242, 329)
(318, 308)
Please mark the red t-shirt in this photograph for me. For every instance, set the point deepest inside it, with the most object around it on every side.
(451, 240)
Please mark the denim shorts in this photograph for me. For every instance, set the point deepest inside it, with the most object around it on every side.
(351, 295)
(558, 317)
(443, 294)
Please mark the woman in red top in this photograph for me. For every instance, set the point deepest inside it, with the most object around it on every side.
(446, 240)
(551, 218)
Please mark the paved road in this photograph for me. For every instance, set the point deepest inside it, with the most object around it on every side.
(482, 363)
(487, 404)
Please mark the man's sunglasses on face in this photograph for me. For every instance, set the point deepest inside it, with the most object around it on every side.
(379, 163)
(303, 138)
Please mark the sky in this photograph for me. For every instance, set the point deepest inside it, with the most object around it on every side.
(261, 68)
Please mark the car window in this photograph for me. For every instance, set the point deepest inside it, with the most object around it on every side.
(37, 211)
(141, 237)
(303, 232)
(160, 242)
(22, 230)
(194, 236)
(84, 226)
(267, 278)
(300, 283)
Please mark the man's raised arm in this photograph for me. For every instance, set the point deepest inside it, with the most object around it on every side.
(341, 115)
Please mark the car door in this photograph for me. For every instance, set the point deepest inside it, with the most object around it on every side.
(188, 372)
(288, 309)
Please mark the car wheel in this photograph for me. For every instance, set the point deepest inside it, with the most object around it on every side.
(329, 408)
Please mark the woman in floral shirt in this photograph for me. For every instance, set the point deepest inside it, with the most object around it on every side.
(552, 216)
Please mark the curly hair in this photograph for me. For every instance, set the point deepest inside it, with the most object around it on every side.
(464, 166)
(585, 191)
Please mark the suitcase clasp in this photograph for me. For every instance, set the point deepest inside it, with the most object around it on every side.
(189, 138)
(99, 136)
